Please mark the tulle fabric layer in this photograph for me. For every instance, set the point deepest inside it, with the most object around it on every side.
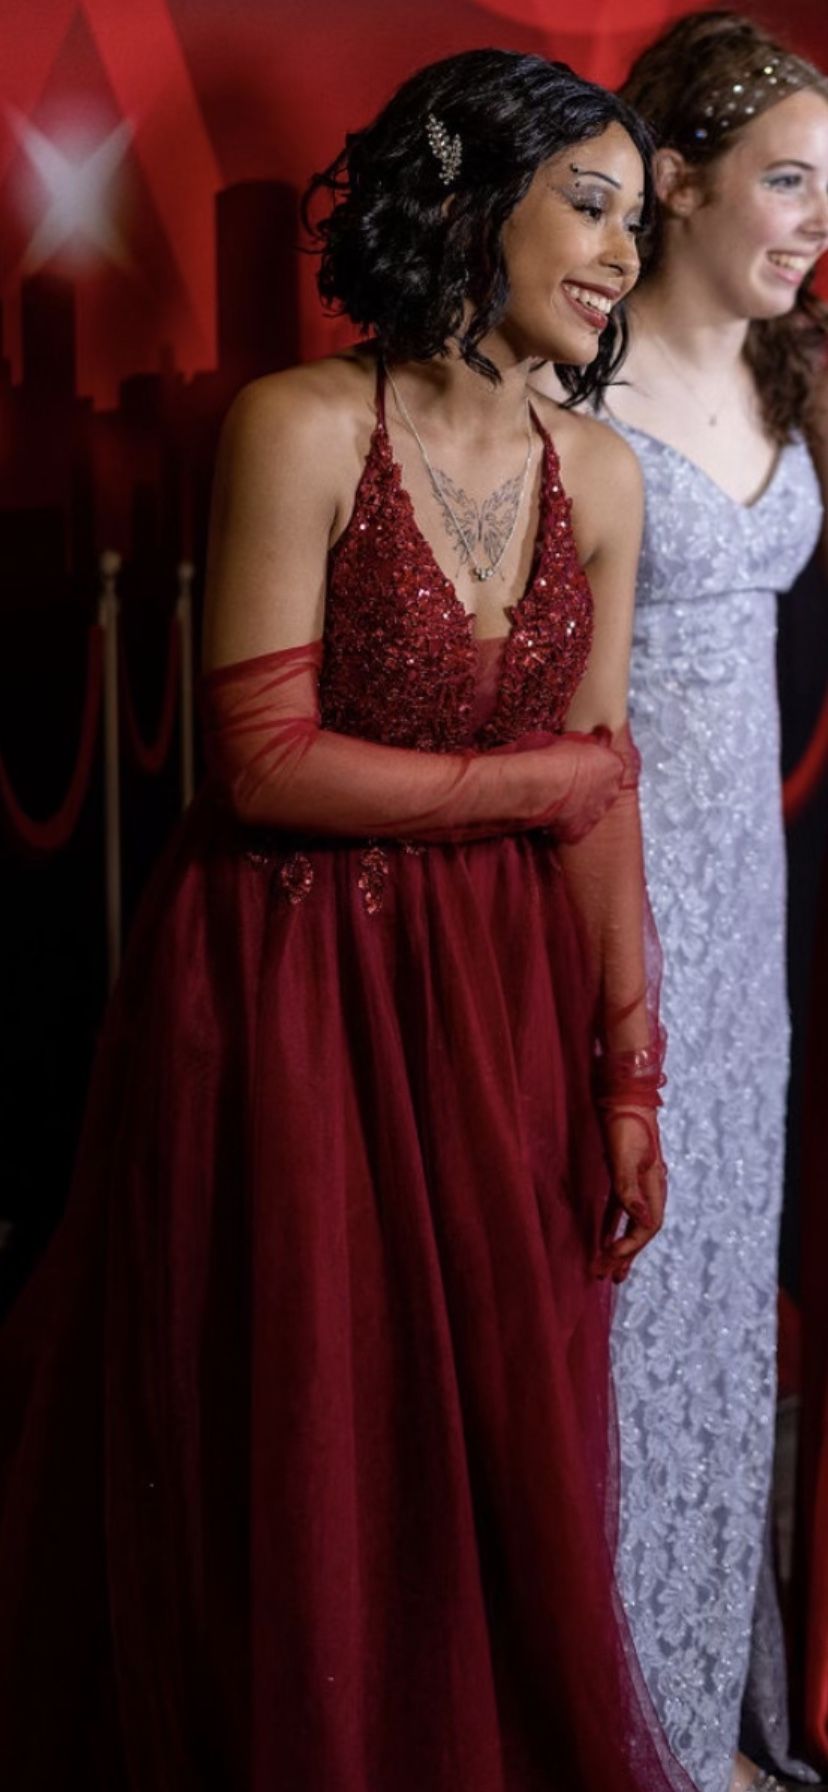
(307, 1412)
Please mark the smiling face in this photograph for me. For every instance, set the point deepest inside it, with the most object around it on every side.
(755, 221)
(570, 249)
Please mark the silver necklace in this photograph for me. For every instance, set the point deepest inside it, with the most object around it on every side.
(480, 572)
(711, 417)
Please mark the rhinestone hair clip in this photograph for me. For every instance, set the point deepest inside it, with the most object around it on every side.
(447, 150)
(772, 79)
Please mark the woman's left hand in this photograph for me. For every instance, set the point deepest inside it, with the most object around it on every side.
(635, 1210)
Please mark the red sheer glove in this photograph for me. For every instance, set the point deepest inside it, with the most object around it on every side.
(605, 875)
(281, 769)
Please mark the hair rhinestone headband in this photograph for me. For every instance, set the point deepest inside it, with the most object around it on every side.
(771, 79)
(447, 150)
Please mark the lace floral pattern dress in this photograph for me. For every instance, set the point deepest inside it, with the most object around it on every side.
(695, 1332)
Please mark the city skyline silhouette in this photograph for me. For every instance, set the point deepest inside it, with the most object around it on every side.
(76, 477)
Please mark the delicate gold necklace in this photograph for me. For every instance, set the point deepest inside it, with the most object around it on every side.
(711, 417)
(479, 572)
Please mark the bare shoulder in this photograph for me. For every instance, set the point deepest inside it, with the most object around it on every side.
(601, 475)
(325, 404)
(586, 446)
(285, 473)
(295, 443)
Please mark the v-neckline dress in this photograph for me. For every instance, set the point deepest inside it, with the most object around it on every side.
(306, 1422)
(695, 1331)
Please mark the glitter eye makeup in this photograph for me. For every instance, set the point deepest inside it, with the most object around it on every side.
(587, 199)
(593, 198)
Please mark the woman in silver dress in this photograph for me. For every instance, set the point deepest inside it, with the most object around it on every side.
(718, 399)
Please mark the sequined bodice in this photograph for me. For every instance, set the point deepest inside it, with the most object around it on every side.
(401, 663)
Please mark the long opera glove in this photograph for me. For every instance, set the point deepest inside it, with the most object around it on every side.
(280, 769)
(605, 876)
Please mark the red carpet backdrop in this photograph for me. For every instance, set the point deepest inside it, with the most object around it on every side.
(151, 159)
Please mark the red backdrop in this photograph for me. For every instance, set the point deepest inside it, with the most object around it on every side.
(150, 158)
(212, 94)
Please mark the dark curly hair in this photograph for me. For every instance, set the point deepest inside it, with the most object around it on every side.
(401, 262)
(683, 86)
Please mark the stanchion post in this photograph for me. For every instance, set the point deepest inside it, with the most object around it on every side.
(109, 567)
(184, 613)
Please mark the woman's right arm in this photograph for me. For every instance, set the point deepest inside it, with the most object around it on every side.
(605, 877)
(275, 508)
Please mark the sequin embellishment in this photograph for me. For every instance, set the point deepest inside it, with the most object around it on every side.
(373, 875)
(547, 648)
(296, 878)
(400, 662)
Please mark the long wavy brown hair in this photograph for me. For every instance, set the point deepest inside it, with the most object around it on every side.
(698, 87)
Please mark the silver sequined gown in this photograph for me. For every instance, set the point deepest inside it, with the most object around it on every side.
(695, 1334)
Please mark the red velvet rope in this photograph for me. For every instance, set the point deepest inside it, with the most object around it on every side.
(50, 835)
(151, 757)
(806, 777)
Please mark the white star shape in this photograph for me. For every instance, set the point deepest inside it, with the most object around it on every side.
(77, 190)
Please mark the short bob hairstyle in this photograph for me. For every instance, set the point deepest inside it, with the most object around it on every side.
(403, 254)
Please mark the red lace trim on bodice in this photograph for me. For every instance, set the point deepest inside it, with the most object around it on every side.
(401, 663)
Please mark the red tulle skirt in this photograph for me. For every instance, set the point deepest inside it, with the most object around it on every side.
(307, 1465)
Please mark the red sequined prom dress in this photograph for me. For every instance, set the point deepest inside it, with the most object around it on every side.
(306, 1424)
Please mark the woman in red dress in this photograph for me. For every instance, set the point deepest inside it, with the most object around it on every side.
(308, 1476)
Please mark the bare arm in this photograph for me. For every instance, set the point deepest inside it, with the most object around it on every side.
(612, 567)
(274, 508)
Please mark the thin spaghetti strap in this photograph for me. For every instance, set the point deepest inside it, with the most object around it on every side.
(540, 427)
(379, 399)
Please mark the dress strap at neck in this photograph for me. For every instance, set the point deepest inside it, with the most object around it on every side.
(379, 395)
(540, 427)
